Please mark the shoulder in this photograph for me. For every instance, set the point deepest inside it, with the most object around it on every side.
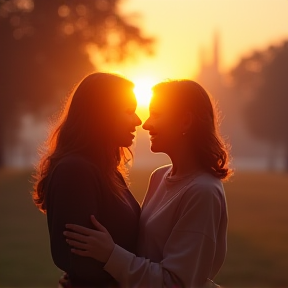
(160, 171)
(74, 159)
(207, 181)
(74, 168)
(75, 163)
(205, 186)
(73, 175)
(155, 179)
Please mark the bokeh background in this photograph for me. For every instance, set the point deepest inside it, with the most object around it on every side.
(237, 49)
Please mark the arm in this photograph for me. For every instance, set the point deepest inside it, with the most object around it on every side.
(188, 253)
(73, 197)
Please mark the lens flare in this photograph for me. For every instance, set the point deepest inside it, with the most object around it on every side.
(143, 90)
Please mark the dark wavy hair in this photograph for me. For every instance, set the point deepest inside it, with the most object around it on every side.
(84, 127)
(209, 148)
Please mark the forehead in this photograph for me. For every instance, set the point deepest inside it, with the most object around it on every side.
(127, 98)
(163, 103)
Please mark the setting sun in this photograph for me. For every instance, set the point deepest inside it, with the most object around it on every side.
(143, 91)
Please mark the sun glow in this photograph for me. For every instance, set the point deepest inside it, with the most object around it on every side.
(143, 91)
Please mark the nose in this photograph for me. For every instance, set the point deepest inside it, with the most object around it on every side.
(147, 125)
(137, 120)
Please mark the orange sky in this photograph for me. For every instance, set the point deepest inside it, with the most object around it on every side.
(184, 27)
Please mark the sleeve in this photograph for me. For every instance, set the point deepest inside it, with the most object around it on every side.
(74, 193)
(188, 253)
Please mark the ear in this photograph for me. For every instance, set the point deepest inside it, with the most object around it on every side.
(187, 120)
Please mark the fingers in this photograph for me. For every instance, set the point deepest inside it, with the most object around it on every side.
(80, 229)
(76, 236)
(97, 224)
(80, 252)
(77, 244)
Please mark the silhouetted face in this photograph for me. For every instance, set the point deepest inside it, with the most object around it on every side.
(125, 121)
(163, 125)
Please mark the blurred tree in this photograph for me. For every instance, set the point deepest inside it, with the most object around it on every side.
(44, 50)
(264, 77)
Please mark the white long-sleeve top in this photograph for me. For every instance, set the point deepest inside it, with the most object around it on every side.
(182, 236)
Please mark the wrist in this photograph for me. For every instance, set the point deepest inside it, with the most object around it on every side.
(109, 252)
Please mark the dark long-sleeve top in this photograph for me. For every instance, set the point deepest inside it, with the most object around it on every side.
(75, 191)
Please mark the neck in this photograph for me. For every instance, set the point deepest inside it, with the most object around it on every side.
(183, 163)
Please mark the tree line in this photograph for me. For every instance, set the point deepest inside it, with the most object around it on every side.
(44, 52)
(265, 75)
(44, 44)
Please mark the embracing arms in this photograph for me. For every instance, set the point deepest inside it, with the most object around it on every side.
(188, 254)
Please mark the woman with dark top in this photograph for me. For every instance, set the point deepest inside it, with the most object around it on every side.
(82, 173)
(183, 223)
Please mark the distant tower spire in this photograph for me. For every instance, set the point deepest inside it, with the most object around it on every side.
(216, 51)
(202, 57)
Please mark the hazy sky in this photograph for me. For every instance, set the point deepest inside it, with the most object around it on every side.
(184, 27)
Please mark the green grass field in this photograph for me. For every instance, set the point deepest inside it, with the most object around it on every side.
(257, 240)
